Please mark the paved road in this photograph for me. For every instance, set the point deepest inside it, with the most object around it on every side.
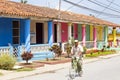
(104, 69)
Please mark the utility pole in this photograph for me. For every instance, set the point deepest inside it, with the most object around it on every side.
(59, 9)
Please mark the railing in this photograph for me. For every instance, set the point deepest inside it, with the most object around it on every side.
(100, 44)
(4, 50)
(40, 48)
(89, 44)
(17, 50)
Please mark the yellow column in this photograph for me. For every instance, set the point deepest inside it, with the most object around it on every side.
(114, 37)
(91, 32)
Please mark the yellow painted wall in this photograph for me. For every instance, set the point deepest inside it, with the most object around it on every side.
(110, 37)
(100, 33)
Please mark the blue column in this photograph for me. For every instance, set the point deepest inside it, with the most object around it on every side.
(50, 33)
(27, 35)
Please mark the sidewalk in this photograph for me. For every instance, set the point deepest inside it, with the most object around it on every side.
(12, 75)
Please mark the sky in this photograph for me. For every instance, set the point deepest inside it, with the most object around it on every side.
(110, 7)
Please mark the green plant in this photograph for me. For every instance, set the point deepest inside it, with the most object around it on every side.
(68, 49)
(99, 53)
(84, 50)
(69, 46)
(27, 56)
(7, 61)
(57, 50)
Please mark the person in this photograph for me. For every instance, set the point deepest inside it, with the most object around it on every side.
(76, 52)
(77, 49)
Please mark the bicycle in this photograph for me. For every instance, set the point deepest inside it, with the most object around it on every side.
(76, 68)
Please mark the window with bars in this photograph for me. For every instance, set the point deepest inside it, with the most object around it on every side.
(16, 32)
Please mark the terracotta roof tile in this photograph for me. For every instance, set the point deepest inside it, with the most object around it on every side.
(26, 10)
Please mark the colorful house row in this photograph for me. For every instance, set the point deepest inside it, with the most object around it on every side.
(32, 28)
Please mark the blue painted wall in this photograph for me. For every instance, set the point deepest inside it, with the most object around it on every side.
(6, 30)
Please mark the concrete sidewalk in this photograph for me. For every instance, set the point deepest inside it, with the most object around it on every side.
(12, 75)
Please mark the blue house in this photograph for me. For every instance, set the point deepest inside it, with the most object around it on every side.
(25, 27)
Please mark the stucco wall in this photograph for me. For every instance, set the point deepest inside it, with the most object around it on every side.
(64, 32)
(6, 35)
(33, 30)
(75, 31)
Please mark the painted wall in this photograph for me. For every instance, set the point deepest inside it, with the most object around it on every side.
(33, 30)
(75, 31)
(64, 32)
(80, 32)
(6, 31)
(100, 33)
(87, 32)
(91, 32)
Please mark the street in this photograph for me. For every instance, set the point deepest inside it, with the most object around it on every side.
(104, 69)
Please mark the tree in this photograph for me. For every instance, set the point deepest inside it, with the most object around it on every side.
(24, 1)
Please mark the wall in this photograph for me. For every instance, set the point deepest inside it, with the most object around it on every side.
(100, 33)
(75, 31)
(87, 32)
(6, 31)
(64, 32)
(91, 32)
(80, 32)
(33, 30)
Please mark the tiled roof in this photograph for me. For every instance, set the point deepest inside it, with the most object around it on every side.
(29, 11)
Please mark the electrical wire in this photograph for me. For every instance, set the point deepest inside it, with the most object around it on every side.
(107, 5)
(92, 10)
(73, 5)
(114, 3)
(104, 6)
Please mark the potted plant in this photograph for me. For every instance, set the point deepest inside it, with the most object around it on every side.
(27, 56)
(68, 49)
(57, 50)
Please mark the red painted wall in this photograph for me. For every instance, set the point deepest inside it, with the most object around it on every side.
(64, 32)
(75, 31)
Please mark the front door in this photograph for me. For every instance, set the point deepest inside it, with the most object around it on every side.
(55, 33)
(39, 33)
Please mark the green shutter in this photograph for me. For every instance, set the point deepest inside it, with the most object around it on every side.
(80, 32)
(87, 32)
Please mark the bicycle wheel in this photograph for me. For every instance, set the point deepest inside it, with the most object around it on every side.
(72, 73)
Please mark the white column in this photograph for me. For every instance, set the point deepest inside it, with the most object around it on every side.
(69, 31)
(59, 32)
